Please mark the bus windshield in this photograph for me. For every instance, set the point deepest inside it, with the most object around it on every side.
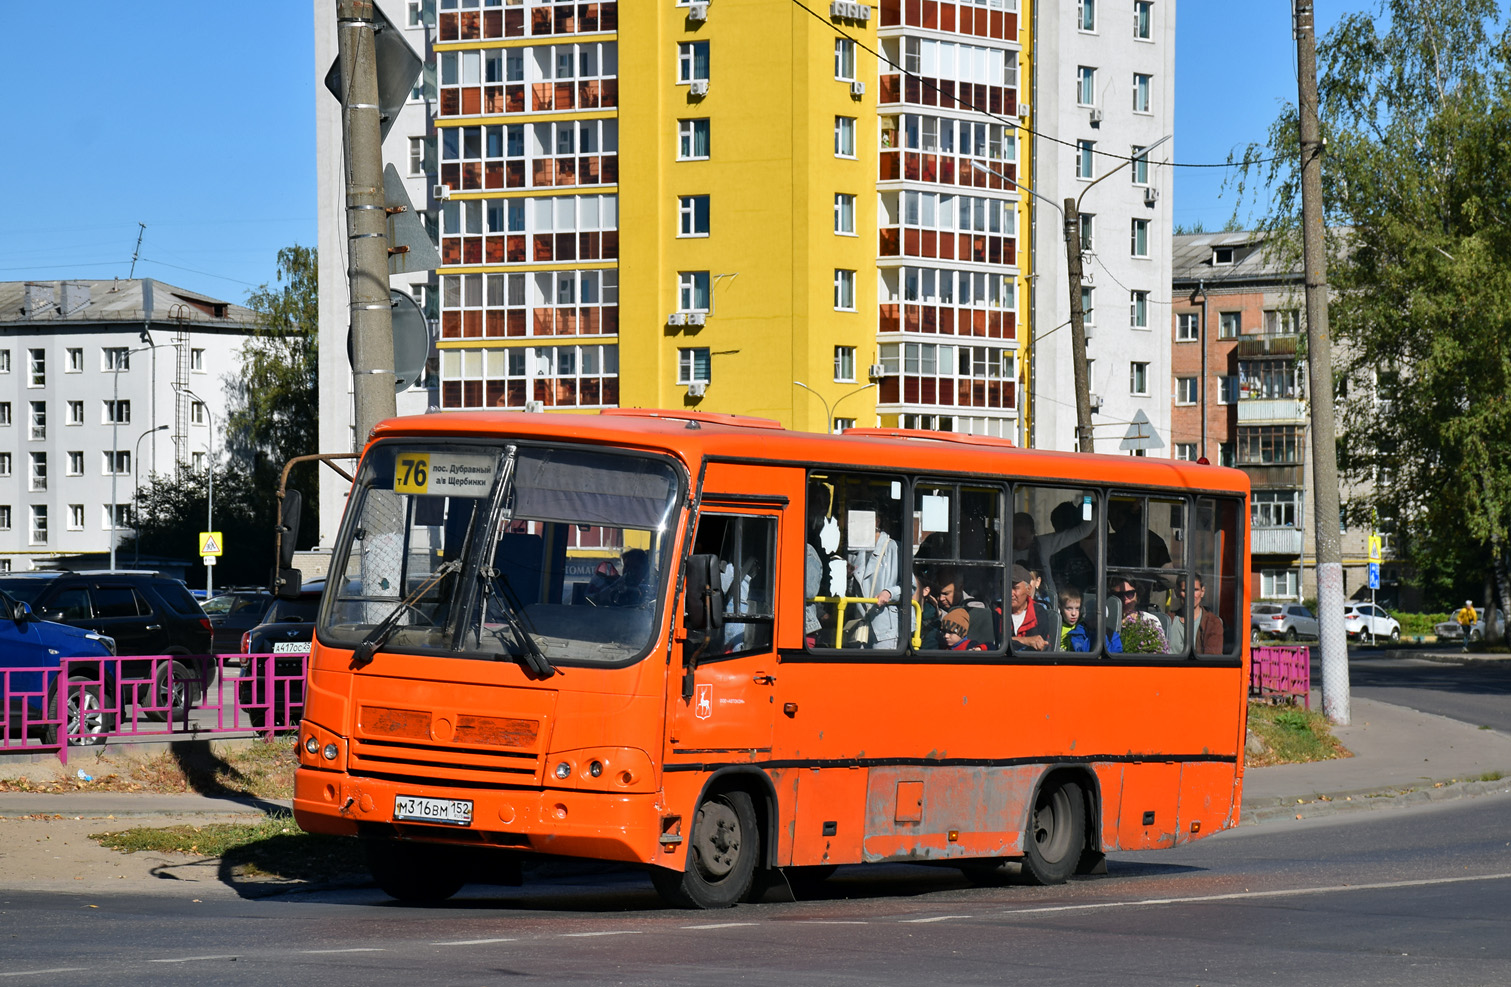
(502, 551)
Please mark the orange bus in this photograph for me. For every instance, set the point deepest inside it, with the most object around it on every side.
(724, 650)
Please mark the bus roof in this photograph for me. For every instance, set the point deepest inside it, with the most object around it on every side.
(694, 435)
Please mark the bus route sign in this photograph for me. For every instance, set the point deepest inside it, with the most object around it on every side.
(443, 473)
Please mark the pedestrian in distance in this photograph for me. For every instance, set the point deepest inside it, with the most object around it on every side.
(1466, 618)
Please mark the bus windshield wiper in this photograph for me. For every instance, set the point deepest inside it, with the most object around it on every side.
(384, 629)
(533, 659)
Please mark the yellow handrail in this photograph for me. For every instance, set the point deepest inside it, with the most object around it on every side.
(845, 601)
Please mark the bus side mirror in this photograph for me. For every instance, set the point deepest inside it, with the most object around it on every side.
(288, 526)
(704, 609)
(287, 584)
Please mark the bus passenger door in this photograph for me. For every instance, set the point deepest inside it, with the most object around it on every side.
(728, 713)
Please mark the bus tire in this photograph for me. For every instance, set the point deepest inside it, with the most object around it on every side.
(414, 873)
(721, 855)
(1056, 833)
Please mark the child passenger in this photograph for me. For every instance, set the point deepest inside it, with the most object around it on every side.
(1076, 636)
(955, 629)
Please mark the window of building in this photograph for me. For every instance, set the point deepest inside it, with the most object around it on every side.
(692, 213)
(5, 466)
(1086, 15)
(1084, 152)
(39, 524)
(844, 290)
(5, 416)
(1143, 19)
(1227, 454)
(844, 137)
(38, 474)
(39, 419)
(75, 412)
(1229, 325)
(1138, 310)
(1222, 256)
(417, 155)
(197, 360)
(1139, 169)
(844, 364)
(1138, 378)
(840, 424)
(692, 291)
(75, 517)
(38, 367)
(1274, 508)
(1086, 85)
(1282, 321)
(75, 356)
(118, 462)
(1139, 246)
(692, 139)
(693, 364)
(1279, 584)
(1088, 305)
(1186, 451)
(117, 413)
(197, 462)
(1088, 222)
(1270, 379)
(844, 214)
(1141, 85)
(197, 412)
(76, 463)
(1187, 327)
(414, 15)
(1264, 445)
(1227, 389)
(4, 361)
(692, 61)
(5, 517)
(844, 59)
(115, 358)
(1187, 390)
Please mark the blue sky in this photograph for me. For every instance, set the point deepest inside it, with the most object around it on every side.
(197, 119)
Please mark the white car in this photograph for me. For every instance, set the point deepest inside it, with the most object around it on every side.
(1361, 620)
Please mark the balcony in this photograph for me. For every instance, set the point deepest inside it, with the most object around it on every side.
(1278, 344)
(1255, 410)
(1275, 541)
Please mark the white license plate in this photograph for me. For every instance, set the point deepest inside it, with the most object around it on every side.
(291, 648)
(453, 812)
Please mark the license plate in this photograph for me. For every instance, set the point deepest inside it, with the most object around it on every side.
(453, 812)
(291, 648)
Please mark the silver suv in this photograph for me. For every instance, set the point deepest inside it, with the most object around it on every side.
(1284, 620)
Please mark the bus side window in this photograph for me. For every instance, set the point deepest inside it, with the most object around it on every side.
(957, 536)
(746, 547)
(862, 578)
(1055, 538)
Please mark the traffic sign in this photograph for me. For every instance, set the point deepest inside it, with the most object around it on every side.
(210, 543)
(1374, 548)
(1374, 575)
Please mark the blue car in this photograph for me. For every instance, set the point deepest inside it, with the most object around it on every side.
(28, 642)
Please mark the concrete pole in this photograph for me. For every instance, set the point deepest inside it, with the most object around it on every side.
(366, 219)
(1329, 556)
(1077, 326)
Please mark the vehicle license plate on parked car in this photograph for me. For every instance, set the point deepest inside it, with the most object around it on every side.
(456, 812)
(291, 648)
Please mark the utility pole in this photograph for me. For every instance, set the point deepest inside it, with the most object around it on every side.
(366, 218)
(1329, 556)
(1077, 325)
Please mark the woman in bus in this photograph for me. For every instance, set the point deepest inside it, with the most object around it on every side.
(873, 570)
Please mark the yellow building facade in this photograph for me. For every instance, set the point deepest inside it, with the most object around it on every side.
(764, 207)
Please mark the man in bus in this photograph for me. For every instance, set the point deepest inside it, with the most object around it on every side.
(1208, 626)
(1031, 621)
(951, 593)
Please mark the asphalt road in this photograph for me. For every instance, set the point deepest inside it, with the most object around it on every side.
(1471, 691)
(1406, 896)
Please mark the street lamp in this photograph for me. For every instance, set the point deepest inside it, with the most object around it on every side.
(828, 417)
(136, 486)
(210, 490)
(122, 360)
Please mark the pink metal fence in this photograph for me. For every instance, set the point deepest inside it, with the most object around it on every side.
(245, 694)
(1281, 672)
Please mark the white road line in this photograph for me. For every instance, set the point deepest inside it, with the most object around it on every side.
(36, 973)
(471, 942)
(722, 925)
(830, 921)
(1246, 895)
(611, 932)
(355, 949)
(936, 918)
(193, 959)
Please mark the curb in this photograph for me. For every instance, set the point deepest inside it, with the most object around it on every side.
(1369, 799)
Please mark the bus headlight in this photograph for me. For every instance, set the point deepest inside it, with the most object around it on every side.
(311, 744)
(564, 770)
(330, 752)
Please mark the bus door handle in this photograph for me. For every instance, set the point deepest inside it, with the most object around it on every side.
(761, 678)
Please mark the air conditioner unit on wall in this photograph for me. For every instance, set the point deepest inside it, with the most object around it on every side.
(697, 318)
(857, 88)
(1096, 402)
(1096, 117)
(698, 87)
(1151, 195)
(677, 319)
(1024, 110)
(696, 388)
(697, 12)
(876, 370)
(441, 191)
(843, 10)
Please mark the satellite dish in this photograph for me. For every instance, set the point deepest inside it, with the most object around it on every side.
(412, 340)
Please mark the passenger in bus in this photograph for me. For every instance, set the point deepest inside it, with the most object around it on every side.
(1036, 551)
(873, 570)
(1077, 636)
(1074, 564)
(955, 631)
(1033, 628)
(928, 608)
(1208, 626)
(952, 593)
(1141, 631)
(632, 588)
(605, 574)
(1131, 544)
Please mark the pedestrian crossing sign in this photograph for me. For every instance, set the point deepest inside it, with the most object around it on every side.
(210, 543)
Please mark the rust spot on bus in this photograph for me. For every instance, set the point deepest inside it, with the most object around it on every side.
(384, 721)
(496, 731)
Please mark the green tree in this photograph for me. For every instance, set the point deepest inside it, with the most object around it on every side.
(275, 398)
(170, 513)
(1417, 190)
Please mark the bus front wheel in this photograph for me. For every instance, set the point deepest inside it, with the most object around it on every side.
(721, 855)
(417, 873)
(1056, 834)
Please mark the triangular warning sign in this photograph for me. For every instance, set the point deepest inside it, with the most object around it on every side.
(209, 543)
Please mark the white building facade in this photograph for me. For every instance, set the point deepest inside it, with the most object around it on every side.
(102, 384)
(1104, 88)
(410, 148)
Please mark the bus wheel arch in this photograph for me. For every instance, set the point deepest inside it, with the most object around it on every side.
(729, 841)
(1058, 833)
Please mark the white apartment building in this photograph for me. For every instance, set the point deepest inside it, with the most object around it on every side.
(410, 148)
(1104, 88)
(103, 383)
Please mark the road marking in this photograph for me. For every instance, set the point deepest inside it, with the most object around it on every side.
(471, 942)
(722, 925)
(830, 921)
(193, 959)
(1244, 895)
(936, 918)
(355, 949)
(34, 973)
(611, 932)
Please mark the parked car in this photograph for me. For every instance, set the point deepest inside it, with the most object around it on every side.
(288, 628)
(232, 614)
(1362, 620)
(1450, 632)
(27, 641)
(146, 613)
(1286, 620)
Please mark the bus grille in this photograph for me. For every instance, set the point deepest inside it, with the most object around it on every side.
(478, 751)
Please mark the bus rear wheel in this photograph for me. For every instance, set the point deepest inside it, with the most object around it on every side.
(416, 873)
(721, 855)
(1056, 833)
